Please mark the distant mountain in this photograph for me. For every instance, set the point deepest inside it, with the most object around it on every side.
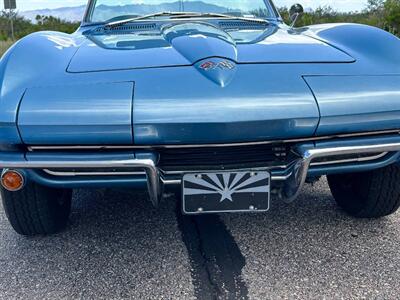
(65, 13)
(105, 12)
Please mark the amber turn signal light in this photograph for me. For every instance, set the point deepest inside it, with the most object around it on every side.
(12, 180)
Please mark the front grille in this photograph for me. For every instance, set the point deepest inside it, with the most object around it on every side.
(233, 157)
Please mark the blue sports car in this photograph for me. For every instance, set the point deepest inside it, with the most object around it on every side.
(218, 100)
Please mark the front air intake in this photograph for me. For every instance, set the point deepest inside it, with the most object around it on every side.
(227, 157)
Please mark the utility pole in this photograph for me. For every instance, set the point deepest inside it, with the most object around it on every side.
(11, 5)
(12, 26)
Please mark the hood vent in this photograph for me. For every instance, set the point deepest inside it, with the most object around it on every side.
(126, 29)
(242, 25)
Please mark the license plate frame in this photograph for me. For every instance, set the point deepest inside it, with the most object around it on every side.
(226, 192)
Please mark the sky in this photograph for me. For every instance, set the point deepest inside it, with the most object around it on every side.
(342, 5)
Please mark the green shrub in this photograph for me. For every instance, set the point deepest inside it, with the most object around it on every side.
(23, 27)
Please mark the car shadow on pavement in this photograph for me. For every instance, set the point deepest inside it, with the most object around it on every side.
(312, 249)
(118, 246)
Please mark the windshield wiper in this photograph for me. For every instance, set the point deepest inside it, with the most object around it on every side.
(129, 20)
(216, 15)
(180, 15)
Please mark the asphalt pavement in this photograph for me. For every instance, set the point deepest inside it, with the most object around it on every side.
(118, 247)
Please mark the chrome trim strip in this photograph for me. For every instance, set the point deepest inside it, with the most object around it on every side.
(349, 160)
(171, 182)
(181, 172)
(74, 173)
(281, 178)
(310, 139)
(179, 181)
(88, 12)
(112, 173)
(165, 181)
(70, 164)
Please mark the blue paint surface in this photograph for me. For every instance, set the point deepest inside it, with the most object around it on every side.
(82, 114)
(148, 87)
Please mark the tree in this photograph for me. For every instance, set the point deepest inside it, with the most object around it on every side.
(384, 14)
(375, 13)
(375, 6)
(392, 15)
(24, 27)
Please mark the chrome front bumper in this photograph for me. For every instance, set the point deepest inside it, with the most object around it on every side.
(148, 165)
(296, 172)
(302, 166)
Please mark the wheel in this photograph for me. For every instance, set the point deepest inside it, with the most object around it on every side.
(372, 194)
(36, 209)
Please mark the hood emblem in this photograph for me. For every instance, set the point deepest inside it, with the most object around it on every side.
(219, 70)
(211, 65)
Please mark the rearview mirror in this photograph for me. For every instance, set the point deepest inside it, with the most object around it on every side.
(295, 13)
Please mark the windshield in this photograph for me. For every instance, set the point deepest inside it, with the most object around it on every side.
(114, 10)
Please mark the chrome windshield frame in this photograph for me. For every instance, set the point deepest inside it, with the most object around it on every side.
(92, 4)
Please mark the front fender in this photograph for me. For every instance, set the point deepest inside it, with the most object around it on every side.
(31, 62)
(367, 44)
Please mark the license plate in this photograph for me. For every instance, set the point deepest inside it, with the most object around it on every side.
(226, 192)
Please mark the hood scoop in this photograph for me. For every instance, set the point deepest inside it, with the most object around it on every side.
(212, 51)
(196, 41)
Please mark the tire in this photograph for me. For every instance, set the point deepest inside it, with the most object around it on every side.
(37, 210)
(372, 194)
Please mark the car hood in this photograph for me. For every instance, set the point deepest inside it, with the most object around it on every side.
(185, 44)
